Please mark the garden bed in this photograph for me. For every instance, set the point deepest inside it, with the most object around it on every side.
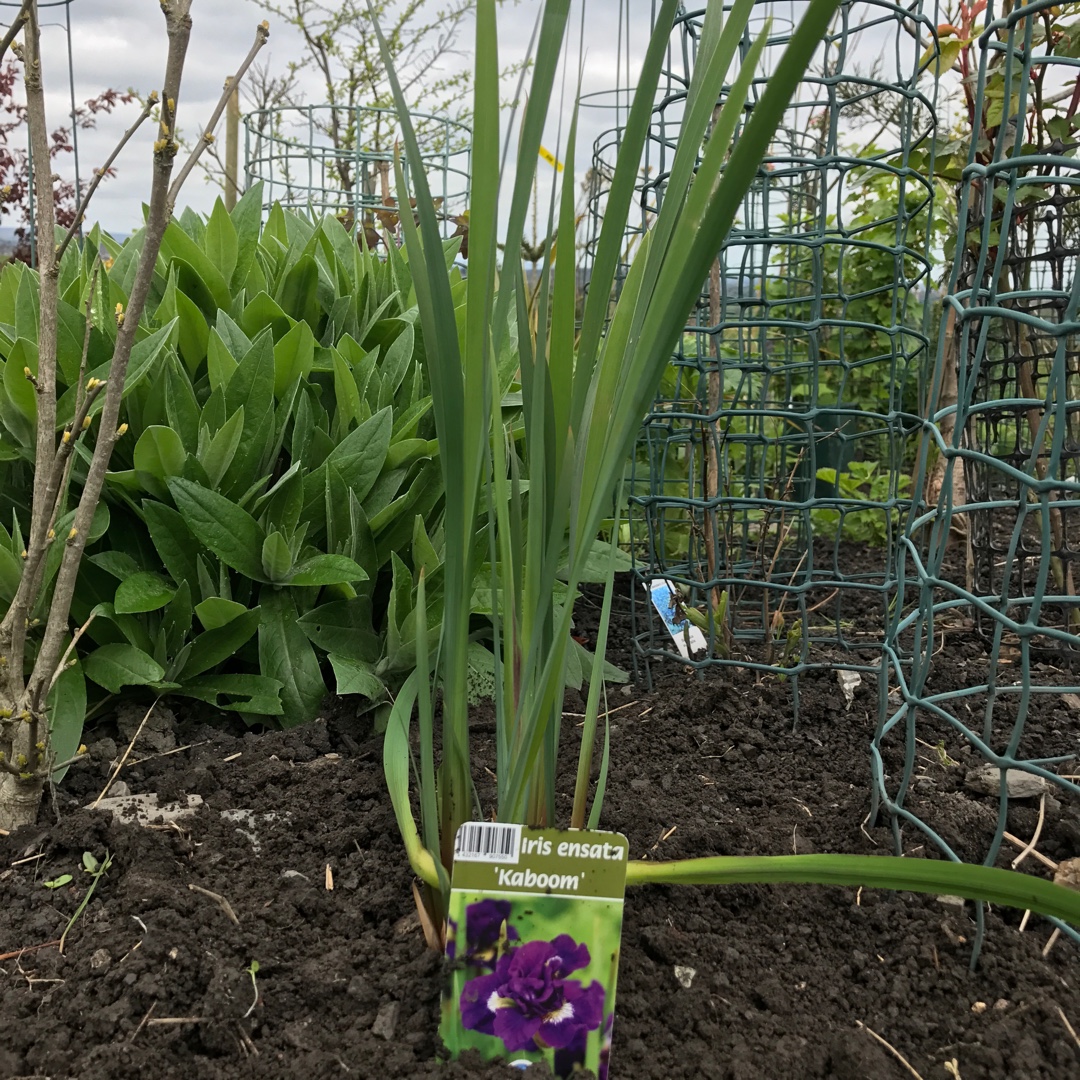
(788, 981)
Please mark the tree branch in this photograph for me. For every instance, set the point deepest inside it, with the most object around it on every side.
(15, 27)
(100, 174)
(14, 625)
(178, 21)
(262, 33)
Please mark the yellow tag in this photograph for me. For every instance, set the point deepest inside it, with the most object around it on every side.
(551, 159)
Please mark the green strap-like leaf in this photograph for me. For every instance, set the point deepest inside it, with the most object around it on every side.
(937, 876)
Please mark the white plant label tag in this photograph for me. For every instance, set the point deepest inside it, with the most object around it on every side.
(688, 638)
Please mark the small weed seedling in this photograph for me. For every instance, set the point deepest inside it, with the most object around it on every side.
(97, 871)
(59, 882)
(253, 969)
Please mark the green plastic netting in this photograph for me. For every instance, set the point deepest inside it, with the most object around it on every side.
(987, 613)
(784, 429)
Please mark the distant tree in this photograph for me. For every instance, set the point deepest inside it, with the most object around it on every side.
(341, 49)
(15, 205)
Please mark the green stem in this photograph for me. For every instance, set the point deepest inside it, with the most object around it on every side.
(936, 876)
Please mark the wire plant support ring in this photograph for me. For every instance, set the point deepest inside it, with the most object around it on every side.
(787, 423)
(988, 570)
(327, 159)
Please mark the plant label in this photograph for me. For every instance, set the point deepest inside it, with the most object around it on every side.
(688, 638)
(533, 937)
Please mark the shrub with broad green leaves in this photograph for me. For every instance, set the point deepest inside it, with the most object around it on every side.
(277, 484)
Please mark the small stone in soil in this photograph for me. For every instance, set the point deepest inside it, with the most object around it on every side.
(386, 1020)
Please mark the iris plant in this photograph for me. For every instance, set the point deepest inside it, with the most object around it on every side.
(548, 492)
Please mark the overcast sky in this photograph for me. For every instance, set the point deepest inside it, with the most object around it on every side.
(122, 43)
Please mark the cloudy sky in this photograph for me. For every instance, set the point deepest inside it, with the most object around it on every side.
(122, 43)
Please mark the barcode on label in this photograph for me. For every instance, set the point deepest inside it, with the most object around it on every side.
(488, 841)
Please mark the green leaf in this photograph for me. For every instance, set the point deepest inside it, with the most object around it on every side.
(236, 693)
(327, 570)
(19, 389)
(160, 453)
(193, 333)
(175, 625)
(173, 540)
(67, 714)
(294, 356)
(230, 532)
(10, 574)
(277, 559)
(144, 591)
(936, 876)
(182, 407)
(221, 449)
(286, 654)
(343, 627)
(212, 647)
(194, 264)
(247, 218)
(356, 677)
(222, 245)
(262, 312)
(117, 666)
(144, 358)
(298, 293)
(220, 362)
(359, 458)
(216, 611)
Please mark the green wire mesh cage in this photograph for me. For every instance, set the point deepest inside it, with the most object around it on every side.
(988, 606)
(788, 412)
(328, 159)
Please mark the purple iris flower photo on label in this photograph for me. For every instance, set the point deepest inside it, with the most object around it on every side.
(530, 1002)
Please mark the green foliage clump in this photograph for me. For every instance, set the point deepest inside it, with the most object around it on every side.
(278, 482)
(861, 482)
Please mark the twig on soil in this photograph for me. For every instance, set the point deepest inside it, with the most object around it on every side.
(862, 829)
(610, 712)
(892, 1050)
(1051, 942)
(1068, 1027)
(1017, 842)
(664, 836)
(28, 948)
(219, 899)
(161, 1021)
(29, 858)
(127, 753)
(167, 753)
(1035, 837)
(244, 1039)
(142, 1023)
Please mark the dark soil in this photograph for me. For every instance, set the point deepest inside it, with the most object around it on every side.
(790, 981)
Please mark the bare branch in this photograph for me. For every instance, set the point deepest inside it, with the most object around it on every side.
(178, 21)
(15, 27)
(14, 625)
(262, 34)
(100, 174)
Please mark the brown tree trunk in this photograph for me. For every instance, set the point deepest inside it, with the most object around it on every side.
(945, 377)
